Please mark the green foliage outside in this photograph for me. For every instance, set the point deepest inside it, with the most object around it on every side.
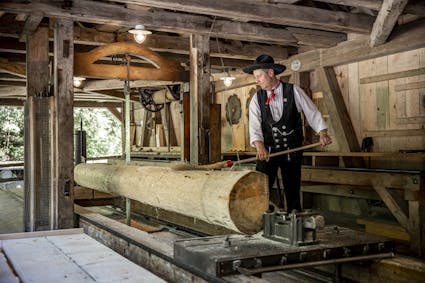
(11, 133)
(103, 132)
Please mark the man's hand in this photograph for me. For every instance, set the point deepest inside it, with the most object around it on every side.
(262, 153)
(324, 138)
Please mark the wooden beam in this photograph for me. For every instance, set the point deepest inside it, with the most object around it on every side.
(199, 98)
(30, 26)
(95, 104)
(410, 86)
(37, 185)
(231, 50)
(386, 20)
(339, 117)
(415, 8)
(91, 104)
(392, 205)
(111, 84)
(114, 111)
(405, 181)
(100, 13)
(282, 14)
(392, 76)
(63, 129)
(395, 133)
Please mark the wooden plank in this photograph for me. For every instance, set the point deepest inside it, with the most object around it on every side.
(385, 21)
(199, 98)
(342, 190)
(82, 193)
(392, 76)
(16, 69)
(282, 14)
(62, 136)
(382, 107)
(410, 86)
(383, 229)
(361, 178)
(60, 259)
(392, 133)
(26, 235)
(416, 224)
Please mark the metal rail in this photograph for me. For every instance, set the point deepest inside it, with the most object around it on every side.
(247, 271)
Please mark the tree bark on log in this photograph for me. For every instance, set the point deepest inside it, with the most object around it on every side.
(232, 199)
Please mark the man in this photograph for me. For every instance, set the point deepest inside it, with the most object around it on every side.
(275, 125)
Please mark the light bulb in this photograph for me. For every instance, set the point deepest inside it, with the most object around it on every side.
(139, 33)
(227, 81)
(78, 81)
(139, 37)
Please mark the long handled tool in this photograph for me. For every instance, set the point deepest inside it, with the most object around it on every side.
(229, 163)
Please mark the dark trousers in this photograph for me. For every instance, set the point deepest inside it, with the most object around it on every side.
(291, 175)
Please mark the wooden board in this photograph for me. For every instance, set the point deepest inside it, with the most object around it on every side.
(71, 257)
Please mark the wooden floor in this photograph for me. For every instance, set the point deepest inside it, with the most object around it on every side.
(64, 256)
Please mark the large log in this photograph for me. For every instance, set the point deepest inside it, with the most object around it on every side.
(232, 199)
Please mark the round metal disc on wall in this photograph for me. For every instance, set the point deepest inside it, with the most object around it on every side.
(233, 109)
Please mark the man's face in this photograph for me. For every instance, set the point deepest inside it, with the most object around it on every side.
(264, 78)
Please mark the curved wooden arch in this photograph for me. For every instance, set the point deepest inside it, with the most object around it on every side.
(163, 70)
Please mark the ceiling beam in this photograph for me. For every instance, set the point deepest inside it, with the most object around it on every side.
(417, 8)
(100, 13)
(77, 103)
(385, 21)
(97, 85)
(282, 14)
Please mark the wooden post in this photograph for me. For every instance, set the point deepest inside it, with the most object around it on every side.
(199, 98)
(185, 144)
(215, 133)
(63, 121)
(37, 180)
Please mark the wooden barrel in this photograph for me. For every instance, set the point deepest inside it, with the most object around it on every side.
(232, 199)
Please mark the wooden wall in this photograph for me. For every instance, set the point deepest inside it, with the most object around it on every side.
(376, 99)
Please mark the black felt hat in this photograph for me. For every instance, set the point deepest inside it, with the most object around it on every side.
(265, 62)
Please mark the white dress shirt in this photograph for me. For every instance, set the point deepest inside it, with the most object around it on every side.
(303, 103)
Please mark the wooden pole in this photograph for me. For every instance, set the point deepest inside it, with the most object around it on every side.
(63, 126)
(232, 199)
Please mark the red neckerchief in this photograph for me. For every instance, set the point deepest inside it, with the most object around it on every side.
(272, 95)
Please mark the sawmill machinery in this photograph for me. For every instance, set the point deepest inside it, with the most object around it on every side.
(262, 241)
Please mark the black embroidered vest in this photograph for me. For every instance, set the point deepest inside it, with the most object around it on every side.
(286, 133)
